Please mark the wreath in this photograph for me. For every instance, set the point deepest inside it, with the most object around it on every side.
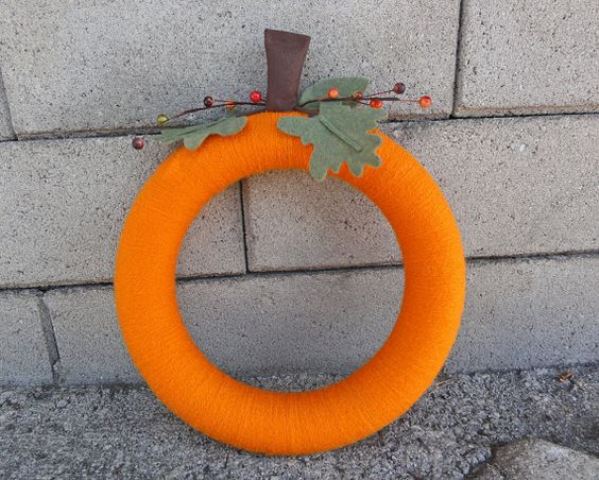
(330, 129)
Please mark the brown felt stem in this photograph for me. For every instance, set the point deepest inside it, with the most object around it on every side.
(285, 56)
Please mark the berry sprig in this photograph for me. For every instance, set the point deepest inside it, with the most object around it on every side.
(374, 100)
(255, 99)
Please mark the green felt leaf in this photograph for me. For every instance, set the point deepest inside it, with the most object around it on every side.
(195, 135)
(346, 86)
(339, 134)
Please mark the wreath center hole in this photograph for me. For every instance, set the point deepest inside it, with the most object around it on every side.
(324, 288)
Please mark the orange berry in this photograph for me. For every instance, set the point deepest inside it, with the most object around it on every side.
(376, 103)
(425, 101)
(230, 105)
(333, 93)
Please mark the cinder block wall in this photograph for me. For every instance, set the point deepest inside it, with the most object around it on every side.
(280, 273)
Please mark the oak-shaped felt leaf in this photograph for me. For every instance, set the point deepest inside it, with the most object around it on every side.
(195, 135)
(346, 86)
(339, 134)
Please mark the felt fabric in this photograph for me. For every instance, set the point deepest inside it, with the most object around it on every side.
(285, 56)
(346, 86)
(338, 134)
(194, 136)
(287, 422)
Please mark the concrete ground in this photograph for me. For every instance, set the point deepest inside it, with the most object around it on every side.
(453, 431)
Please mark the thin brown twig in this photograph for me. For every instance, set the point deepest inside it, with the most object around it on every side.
(360, 100)
(300, 107)
(226, 103)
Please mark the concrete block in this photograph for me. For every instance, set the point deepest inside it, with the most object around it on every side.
(517, 186)
(293, 222)
(6, 131)
(64, 72)
(247, 325)
(24, 358)
(519, 314)
(528, 57)
(315, 323)
(63, 203)
(529, 313)
(88, 338)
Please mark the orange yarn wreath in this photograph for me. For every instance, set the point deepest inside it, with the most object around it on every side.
(261, 420)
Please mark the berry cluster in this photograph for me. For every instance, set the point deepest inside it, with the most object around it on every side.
(375, 100)
(210, 102)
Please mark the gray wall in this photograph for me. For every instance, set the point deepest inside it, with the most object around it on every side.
(280, 273)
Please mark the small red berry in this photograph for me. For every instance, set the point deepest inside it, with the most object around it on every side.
(230, 105)
(399, 88)
(138, 143)
(357, 95)
(425, 101)
(255, 96)
(208, 101)
(333, 93)
(376, 103)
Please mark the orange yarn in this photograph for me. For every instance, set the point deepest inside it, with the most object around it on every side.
(286, 422)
